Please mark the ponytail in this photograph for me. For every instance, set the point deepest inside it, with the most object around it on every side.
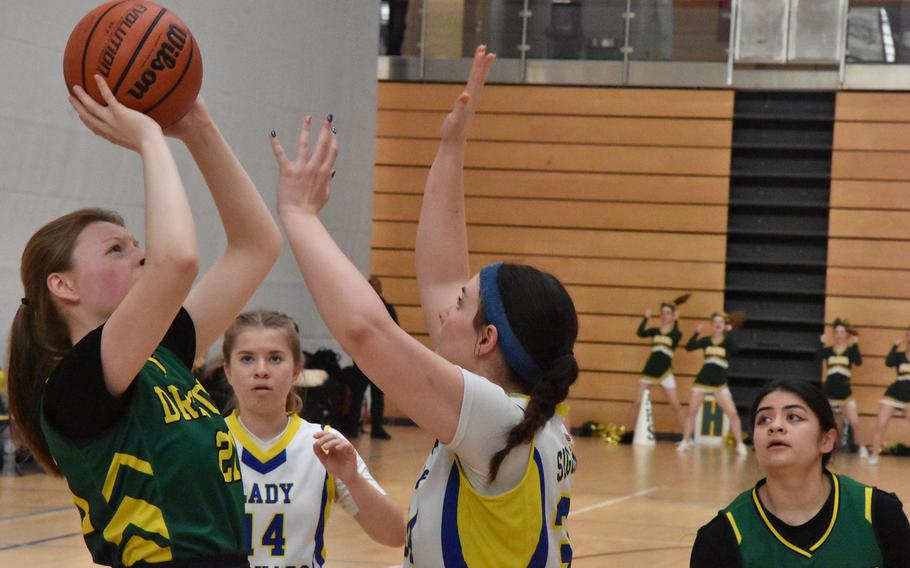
(30, 364)
(39, 336)
(549, 392)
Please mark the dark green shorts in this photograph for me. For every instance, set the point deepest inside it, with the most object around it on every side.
(899, 391)
(837, 387)
(657, 366)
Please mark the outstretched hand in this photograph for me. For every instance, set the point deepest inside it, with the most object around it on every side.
(112, 121)
(336, 454)
(305, 181)
(455, 125)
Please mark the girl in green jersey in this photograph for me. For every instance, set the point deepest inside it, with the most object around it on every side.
(103, 343)
(802, 514)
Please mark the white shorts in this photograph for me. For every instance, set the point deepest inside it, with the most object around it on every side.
(838, 405)
(710, 390)
(668, 381)
(894, 403)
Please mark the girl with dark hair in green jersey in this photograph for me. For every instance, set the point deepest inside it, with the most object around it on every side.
(802, 514)
(103, 343)
(840, 355)
(897, 397)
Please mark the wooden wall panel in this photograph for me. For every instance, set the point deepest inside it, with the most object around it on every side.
(588, 299)
(601, 272)
(856, 253)
(869, 194)
(621, 193)
(582, 101)
(563, 129)
(868, 260)
(667, 160)
(568, 214)
(570, 186)
(571, 241)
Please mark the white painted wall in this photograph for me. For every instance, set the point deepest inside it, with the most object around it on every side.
(266, 64)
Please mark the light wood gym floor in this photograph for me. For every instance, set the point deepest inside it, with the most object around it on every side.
(631, 506)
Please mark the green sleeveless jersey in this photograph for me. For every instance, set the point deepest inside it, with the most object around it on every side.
(163, 483)
(848, 541)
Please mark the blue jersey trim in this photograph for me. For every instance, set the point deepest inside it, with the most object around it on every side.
(251, 462)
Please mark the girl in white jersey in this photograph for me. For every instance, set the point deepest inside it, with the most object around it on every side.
(495, 490)
(292, 470)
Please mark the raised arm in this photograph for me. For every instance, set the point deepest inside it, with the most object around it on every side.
(441, 251)
(253, 239)
(171, 259)
(378, 515)
(643, 330)
(893, 358)
(424, 385)
(855, 356)
(696, 343)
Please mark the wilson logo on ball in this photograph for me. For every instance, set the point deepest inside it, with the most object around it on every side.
(147, 55)
(165, 58)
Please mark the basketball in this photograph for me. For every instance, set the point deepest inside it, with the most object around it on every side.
(144, 51)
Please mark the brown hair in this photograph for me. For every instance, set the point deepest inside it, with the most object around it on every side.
(39, 336)
(269, 319)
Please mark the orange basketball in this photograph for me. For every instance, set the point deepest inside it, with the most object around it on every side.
(145, 52)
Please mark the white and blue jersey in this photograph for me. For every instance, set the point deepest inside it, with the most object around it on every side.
(457, 518)
(288, 495)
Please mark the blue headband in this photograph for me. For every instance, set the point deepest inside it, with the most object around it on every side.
(512, 350)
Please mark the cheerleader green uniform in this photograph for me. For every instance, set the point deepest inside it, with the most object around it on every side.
(898, 394)
(858, 526)
(713, 374)
(660, 363)
(836, 385)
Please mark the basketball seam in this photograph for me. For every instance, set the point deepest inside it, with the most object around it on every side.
(186, 68)
(139, 47)
(88, 40)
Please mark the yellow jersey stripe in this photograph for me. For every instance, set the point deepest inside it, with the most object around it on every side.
(562, 409)
(771, 528)
(250, 445)
(112, 472)
(869, 504)
(824, 537)
(739, 537)
(158, 364)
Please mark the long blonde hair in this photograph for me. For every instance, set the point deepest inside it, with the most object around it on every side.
(39, 336)
(268, 319)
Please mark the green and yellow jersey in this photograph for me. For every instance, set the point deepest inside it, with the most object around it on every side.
(847, 540)
(155, 475)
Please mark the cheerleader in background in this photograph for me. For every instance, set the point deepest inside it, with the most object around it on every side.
(896, 397)
(712, 378)
(659, 366)
(839, 358)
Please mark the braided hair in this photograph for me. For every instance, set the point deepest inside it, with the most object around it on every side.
(542, 318)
